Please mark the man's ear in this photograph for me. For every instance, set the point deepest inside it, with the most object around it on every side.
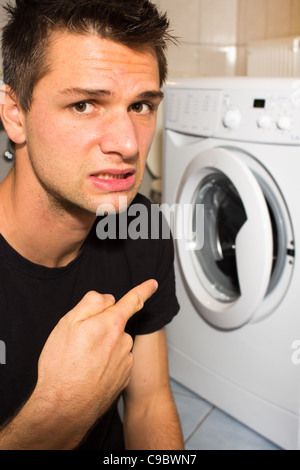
(11, 115)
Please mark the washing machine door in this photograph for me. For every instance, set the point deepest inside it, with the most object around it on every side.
(226, 258)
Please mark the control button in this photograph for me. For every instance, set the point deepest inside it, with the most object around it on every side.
(232, 118)
(264, 121)
(284, 123)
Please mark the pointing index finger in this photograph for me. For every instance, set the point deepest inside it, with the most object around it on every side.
(134, 300)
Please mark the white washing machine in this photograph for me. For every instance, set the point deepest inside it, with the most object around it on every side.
(232, 175)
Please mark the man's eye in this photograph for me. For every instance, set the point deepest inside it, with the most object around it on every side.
(141, 108)
(83, 107)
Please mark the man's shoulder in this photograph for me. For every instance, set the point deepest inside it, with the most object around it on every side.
(142, 199)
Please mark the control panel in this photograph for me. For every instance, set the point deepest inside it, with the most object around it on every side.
(255, 114)
(193, 111)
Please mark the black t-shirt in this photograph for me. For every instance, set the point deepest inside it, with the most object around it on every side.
(33, 298)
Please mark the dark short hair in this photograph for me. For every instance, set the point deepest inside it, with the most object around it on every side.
(27, 34)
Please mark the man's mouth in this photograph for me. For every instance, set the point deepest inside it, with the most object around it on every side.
(109, 176)
(113, 180)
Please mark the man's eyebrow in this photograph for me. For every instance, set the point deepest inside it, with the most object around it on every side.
(95, 92)
(153, 94)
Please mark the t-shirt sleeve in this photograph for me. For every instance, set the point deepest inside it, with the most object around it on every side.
(161, 308)
(153, 258)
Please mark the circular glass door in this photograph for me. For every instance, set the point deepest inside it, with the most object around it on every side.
(224, 217)
(227, 278)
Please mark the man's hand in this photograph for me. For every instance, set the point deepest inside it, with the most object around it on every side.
(84, 365)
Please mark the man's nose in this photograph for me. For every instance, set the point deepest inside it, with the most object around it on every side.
(119, 136)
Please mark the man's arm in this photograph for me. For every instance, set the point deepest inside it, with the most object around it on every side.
(85, 364)
(150, 420)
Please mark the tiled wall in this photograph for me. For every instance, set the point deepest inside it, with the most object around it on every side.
(208, 33)
(265, 19)
(215, 33)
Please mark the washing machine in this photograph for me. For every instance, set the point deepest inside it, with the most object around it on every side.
(231, 172)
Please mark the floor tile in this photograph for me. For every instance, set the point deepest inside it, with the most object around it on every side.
(221, 432)
(191, 409)
(205, 427)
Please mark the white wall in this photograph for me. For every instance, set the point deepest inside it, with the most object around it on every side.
(265, 19)
(208, 32)
(215, 33)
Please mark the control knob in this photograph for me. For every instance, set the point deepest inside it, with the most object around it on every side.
(264, 121)
(284, 123)
(232, 118)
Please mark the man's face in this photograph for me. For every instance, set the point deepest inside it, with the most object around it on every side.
(92, 121)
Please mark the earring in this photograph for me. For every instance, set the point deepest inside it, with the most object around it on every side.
(8, 156)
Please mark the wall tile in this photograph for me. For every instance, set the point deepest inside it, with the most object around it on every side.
(191, 60)
(241, 61)
(252, 20)
(278, 18)
(183, 15)
(183, 60)
(218, 21)
(295, 17)
(217, 61)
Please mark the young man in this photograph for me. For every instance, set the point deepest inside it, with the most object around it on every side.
(83, 82)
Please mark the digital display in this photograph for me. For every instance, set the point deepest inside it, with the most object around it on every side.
(259, 103)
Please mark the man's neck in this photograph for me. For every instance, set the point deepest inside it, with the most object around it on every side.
(42, 235)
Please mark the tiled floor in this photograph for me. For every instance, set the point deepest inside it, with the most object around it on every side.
(205, 427)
